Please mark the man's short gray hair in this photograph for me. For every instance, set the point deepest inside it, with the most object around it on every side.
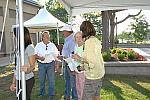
(45, 32)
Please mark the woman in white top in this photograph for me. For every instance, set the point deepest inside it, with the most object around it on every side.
(80, 77)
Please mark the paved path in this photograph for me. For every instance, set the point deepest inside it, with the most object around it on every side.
(145, 52)
(4, 61)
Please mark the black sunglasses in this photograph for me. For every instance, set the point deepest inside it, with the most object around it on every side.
(46, 47)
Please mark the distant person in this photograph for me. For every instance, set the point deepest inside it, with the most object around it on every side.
(92, 61)
(68, 49)
(46, 53)
(28, 67)
(58, 65)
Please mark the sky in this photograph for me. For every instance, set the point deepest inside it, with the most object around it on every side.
(121, 15)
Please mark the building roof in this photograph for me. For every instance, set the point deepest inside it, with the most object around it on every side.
(34, 3)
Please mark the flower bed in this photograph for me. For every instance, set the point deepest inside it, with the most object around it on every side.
(120, 54)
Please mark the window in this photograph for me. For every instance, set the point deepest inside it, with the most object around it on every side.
(1, 11)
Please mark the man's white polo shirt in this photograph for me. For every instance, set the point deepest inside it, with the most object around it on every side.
(48, 51)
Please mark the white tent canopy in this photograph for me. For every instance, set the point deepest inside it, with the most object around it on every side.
(43, 21)
(76, 7)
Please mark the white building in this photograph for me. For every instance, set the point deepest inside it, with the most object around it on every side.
(30, 8)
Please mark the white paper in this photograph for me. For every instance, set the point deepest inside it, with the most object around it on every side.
(68, 60)
(72, 64)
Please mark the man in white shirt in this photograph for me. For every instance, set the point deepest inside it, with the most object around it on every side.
(46, 53)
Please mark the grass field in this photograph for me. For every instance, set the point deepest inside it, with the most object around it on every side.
(115, 87)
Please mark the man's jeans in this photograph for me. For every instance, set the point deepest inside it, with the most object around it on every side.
(47, 70)
(70, 84)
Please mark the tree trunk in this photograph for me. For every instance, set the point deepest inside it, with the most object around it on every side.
(112, 27)
(105, 31)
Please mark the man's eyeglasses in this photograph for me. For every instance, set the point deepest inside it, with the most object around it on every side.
(46, 47)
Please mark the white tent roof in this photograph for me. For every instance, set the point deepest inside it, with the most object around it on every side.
(43, 21)
(76, 7)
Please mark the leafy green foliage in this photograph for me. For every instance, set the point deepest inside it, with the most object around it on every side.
(119, 51)
(113, 51)
(121, 56)
(125, 36)
(140, 28)
(57, 10)
(99, 36)
(95, 18)
(125, 53)
(106, 56)
(131, 55)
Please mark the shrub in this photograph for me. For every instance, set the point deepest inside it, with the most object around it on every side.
(113, 51)
(131, 55)
(106, 56)
(125, 53)
(119, 51)
(121, 56)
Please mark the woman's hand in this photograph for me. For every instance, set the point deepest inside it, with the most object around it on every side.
(13, 87)
(79, 59)
(26, 68)
(60, 57)
(41, 58)
(76, 57)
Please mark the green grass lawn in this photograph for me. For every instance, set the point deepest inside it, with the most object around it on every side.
(115, 87)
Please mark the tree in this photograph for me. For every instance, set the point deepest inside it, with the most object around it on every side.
(95, 18)
(113, 23)
(140, 28)
(125, 36)
(57, 10)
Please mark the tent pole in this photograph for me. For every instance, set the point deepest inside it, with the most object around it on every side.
(70, 20)
(22, 49)
(70, 17)
(57, 35)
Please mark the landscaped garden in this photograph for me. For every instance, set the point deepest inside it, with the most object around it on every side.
(121, 54)
(115, 87)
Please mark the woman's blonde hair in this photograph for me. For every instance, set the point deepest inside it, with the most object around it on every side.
(76, 34)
